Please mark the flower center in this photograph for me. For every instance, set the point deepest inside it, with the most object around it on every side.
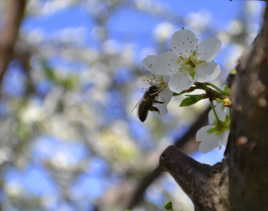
(189, 64)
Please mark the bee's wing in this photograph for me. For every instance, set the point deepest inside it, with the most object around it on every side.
(134, 107)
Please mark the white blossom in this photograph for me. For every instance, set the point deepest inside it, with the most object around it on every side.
(211, 139)
(187, 62)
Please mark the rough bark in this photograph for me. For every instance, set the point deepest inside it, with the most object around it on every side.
(206, 185)
(246, 162)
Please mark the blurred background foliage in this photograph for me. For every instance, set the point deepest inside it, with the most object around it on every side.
(70, 136)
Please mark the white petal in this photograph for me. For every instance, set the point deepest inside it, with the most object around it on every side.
(208, 49)
(163, 64)
(165, 95)
(183, 43)
(211, 117)
(162, 108)
(207, 72)
(179, 82)
(208, 141)
(224, 138)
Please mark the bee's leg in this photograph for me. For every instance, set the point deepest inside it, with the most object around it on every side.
(160, 102)
(154, 109)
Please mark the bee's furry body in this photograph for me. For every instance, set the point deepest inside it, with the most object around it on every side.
(147, 102)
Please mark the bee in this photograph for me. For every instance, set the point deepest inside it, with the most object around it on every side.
(147, 102)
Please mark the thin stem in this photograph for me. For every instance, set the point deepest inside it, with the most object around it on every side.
(215, 87)
(185, 91)
(214, 111)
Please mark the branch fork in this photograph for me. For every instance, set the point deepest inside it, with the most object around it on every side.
(204, 184)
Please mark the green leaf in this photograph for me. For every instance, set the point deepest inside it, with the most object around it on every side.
(23, 131)
(213, 130)
(70, 82)
(220, 126)
(49, 72)
(192, 99)
(233, 71)
(169, 206)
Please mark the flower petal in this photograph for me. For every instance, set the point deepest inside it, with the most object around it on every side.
(225, 137)
(165, 95)
(208, 141)
(162, 108)
(183, 43)
(179, 82)
(164, 64)
(207, 72)
(208, 49)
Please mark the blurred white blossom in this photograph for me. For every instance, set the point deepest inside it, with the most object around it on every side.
(163, 31)
(234, 55)
(235, 27)
(111, 46)
(50, 7)
(198, 21)
(116, 144)
(62, 160)
(253, 7)
(33, 112)
(71, 34)
(13, 188)
(35, 36)
(5, 154)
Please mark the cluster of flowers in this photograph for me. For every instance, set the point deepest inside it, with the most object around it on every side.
(177, 70)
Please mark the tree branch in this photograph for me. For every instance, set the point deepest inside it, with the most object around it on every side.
(14, 16)
(23, 56)
(183, 143)
(204, 184)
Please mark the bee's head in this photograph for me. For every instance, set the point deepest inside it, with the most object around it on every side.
(153, 89)
(160, 82)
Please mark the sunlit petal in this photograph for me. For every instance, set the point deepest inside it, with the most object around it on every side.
(165, 64)
(224, 138)
(165, 95)
(208, 141)
(179, 82)
(162, 108)
(183, 43)
(208, 49)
